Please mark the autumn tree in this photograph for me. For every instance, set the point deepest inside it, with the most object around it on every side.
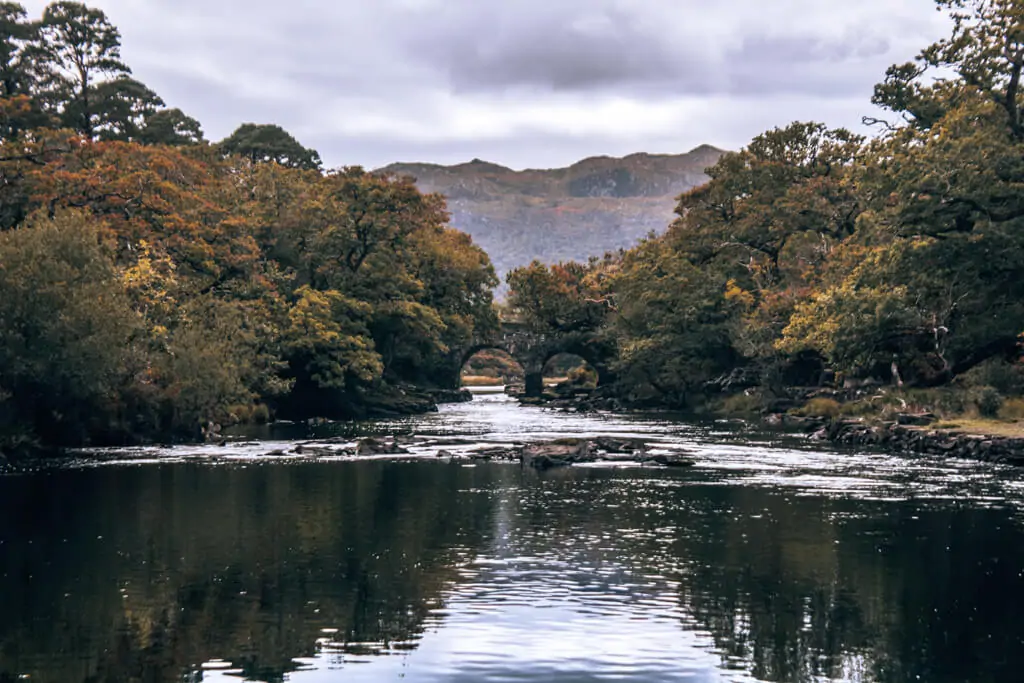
(559, 299)
(939, 291)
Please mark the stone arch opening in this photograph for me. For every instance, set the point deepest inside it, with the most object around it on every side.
(490, 366)
(570, 371)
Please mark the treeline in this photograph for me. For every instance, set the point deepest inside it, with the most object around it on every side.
(152, 283)
(813, 251)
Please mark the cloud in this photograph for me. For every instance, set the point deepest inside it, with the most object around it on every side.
(519, 82)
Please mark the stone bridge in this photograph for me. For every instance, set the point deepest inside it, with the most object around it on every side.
(533, 351)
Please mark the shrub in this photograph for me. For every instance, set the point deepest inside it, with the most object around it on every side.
(1013, 409)
(946, 401)
(820, 407)
(989, 401)
(1006, 378)
(742, 404)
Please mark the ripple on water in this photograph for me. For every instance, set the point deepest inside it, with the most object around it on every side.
(772, 559)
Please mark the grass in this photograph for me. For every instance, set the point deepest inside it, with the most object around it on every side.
(983, 427)
(481, 381)
(820, 407)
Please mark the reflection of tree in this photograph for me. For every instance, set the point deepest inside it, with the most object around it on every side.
(800, 589)
(247, 565)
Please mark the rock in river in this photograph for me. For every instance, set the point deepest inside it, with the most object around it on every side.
(557, 454)
(674, 460)
(372, 446)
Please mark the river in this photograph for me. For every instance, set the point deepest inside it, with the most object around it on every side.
(771, 560)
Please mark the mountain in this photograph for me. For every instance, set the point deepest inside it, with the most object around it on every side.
(596, 205)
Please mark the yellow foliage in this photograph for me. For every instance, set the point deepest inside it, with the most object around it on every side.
(733, 292)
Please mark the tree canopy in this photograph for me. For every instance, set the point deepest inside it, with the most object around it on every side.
(152, 284)
(262, 143)
(900, 257)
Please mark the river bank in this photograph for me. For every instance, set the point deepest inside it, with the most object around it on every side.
(869, 417)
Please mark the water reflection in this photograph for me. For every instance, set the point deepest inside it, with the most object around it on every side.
(758, 566)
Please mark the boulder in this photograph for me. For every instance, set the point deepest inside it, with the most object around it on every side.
(372, 446)
(558, 454)
(613, 444)
(674, 460)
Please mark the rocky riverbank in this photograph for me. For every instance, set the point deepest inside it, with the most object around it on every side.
(912, 439)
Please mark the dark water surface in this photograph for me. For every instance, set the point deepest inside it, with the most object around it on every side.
(767, 562)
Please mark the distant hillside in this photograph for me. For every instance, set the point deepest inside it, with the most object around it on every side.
(596, 205)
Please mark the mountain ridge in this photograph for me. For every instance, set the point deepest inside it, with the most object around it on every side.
(595, 205)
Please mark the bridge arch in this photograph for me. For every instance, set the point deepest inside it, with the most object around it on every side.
(533, 351)
(488, 361)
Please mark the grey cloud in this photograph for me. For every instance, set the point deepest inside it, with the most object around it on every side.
(569, 51)
(597, 45)
(415, 66)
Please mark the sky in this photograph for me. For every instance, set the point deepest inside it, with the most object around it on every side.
(524, 83)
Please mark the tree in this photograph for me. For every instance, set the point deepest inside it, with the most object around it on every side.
(788, 184)
(263, 143)
(66, 329)
(170, 127)
(121, 109)
(16, 35)
(671, 324)
(19, 111)
(560, 299)
(79, 49)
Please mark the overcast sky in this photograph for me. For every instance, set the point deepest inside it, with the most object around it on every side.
(525, 83)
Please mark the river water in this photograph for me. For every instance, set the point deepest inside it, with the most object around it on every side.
(772, 560)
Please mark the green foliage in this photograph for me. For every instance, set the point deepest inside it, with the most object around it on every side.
(78, 50)
(263, 143)
(989, 401)
(328, 340)
(564, 298)
(16, 35)
(66, 329)
(671, 323)
(170, 127)
(1007, 378)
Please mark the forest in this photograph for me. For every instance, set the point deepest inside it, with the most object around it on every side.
(815, 255)
(156, 285)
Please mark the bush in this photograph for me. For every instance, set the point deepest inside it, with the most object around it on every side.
(1006, 378)
(989, 401)
(742, 404)
(945, 402)
(820, 407)
(1013, 409)
(582, 375)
